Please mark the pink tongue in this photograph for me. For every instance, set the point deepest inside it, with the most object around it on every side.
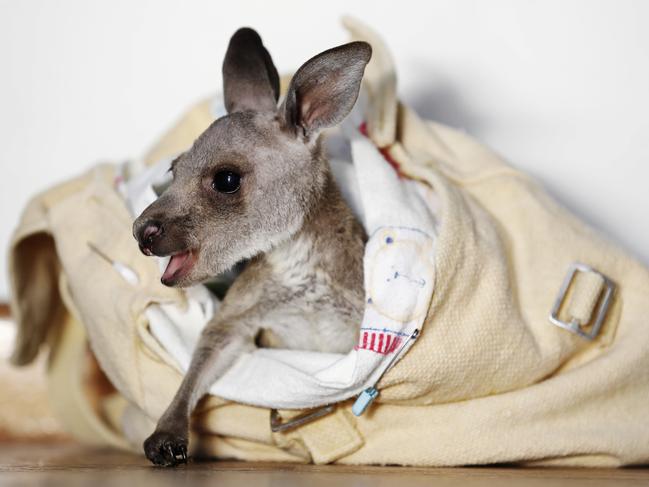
(176, 263)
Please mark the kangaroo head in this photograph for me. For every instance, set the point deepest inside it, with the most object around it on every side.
(252, 178)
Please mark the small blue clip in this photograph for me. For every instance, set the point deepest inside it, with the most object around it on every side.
(364, 399)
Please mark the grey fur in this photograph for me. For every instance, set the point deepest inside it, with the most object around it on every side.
(303, 286)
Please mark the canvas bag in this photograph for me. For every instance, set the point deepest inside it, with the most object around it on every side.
(490, 379)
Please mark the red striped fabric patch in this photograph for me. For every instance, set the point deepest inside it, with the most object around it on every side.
(382, 342)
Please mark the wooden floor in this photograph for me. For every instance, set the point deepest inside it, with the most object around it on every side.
(72, 465)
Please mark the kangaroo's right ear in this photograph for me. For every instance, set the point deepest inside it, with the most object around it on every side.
(250, 79)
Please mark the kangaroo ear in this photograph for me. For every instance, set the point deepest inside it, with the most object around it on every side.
(250, 79)
(325, 88)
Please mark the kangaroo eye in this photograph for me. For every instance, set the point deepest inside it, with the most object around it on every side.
(226, 182)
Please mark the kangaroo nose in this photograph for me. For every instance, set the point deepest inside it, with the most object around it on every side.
(151, 232)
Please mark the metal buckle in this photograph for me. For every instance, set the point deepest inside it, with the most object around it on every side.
(603, 304)
(276, 424)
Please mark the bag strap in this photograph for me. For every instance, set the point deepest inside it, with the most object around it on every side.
(326, 439)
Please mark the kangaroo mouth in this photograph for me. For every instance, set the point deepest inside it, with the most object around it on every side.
(179, 266)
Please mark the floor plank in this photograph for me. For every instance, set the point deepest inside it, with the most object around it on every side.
(70, 464)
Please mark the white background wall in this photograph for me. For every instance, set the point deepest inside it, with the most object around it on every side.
(560, 88)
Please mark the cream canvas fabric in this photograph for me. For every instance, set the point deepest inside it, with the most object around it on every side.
(490, 379)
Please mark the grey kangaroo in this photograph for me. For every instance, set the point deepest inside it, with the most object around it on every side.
(256, 186)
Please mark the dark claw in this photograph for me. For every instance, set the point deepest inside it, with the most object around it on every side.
(170, 451)
(180, 456)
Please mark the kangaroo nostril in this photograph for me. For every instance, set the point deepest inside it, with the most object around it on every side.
(151, 232)
(146, 251)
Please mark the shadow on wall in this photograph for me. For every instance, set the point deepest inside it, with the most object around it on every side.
(443, 104)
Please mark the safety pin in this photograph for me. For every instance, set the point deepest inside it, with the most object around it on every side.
(128, 274)
(368, 396)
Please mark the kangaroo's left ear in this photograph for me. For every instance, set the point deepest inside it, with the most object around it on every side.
(250, 79)
(325, 88)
